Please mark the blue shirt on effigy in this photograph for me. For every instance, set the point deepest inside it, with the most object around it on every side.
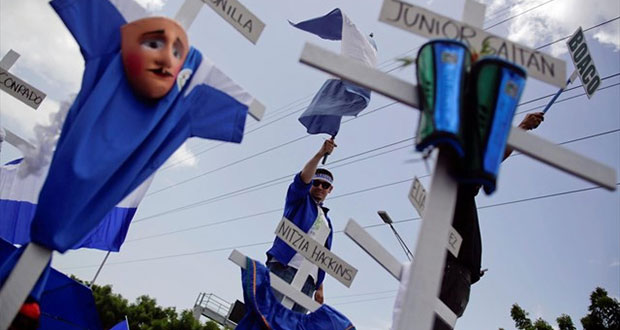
(264, 311)
(301, 210)
(112, 140)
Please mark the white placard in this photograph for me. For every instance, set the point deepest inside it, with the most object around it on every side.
(20, 90)
(315, 252)
(428, 24)
(454, 242)
(417, 195)
(239, 17)
(583, 62)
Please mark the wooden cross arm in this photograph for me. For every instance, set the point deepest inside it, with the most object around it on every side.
(359, 74)
(384, 258)
(279, 284)
(407, 93)
(562, 158)
(21, 280)
(17, 141)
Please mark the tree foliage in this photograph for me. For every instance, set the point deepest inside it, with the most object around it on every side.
(522, 322)
(604, 314)
(143, 314)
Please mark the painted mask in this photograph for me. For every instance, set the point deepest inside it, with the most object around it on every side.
(153, 51)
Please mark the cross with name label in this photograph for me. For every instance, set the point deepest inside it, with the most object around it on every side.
(16, 87)
(314, 253)
(35, 257)
(235, 13)
(420, 298)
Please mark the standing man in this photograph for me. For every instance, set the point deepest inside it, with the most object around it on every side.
(304, 207)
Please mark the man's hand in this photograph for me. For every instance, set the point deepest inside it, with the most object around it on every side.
(318, 295)
(532, 120)
(328, 147)
(310, 168)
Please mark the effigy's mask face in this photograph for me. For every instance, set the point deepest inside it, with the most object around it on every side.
(153, 51)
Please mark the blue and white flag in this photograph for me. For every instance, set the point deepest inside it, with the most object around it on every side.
(122, 325)
(338, 98)
(18, 202)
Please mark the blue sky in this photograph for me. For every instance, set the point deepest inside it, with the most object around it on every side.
(548, 239)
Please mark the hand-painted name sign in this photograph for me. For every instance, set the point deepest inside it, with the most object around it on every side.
(239, 17)
(431, 25)
(454, 242)
(417, 195)
(584, 64)
(315, 253)
(20, 89)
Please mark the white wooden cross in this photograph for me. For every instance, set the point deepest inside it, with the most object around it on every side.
(315, 254)
(16, 141)
(35, 257)
(16, 87)
(420, 299)
(304, 269)
(232, 11)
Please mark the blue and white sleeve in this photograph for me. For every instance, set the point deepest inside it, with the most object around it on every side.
(95, 25)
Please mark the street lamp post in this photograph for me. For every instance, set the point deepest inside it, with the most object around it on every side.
(386, 218)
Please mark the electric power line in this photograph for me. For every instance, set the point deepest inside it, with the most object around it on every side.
(344, 122)
(529, 199)
(283, 108)
(517, 15)
(335, 197)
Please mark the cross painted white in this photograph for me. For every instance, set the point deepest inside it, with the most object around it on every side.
(232, 11)
(16, 87)
(314, 253)
(420, 297)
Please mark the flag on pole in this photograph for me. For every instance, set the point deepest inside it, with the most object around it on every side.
(338, 98)
(18, 202)
(122, 325)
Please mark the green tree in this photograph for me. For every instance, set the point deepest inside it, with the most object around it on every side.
(565, 322)
(112, 307)
(604, 312)
(143, 314)
(522, 322)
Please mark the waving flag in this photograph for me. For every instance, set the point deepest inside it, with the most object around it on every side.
(338, 98)
(122, 325)
(18, 202)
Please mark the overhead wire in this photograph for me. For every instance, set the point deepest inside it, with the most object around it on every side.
(285, 107)
(229, 248)
(517, 15)
(331, 198)
(538, 48)
(344, 122)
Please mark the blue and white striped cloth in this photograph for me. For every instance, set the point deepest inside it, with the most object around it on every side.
(338, 98)
(18, 202)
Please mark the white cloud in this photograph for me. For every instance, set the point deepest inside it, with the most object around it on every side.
(557, 20)
(34, 30)
(183, 157)
(152, 5)
(21, 119)
(614, 264)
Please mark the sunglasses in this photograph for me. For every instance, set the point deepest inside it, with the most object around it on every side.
(323, 184)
